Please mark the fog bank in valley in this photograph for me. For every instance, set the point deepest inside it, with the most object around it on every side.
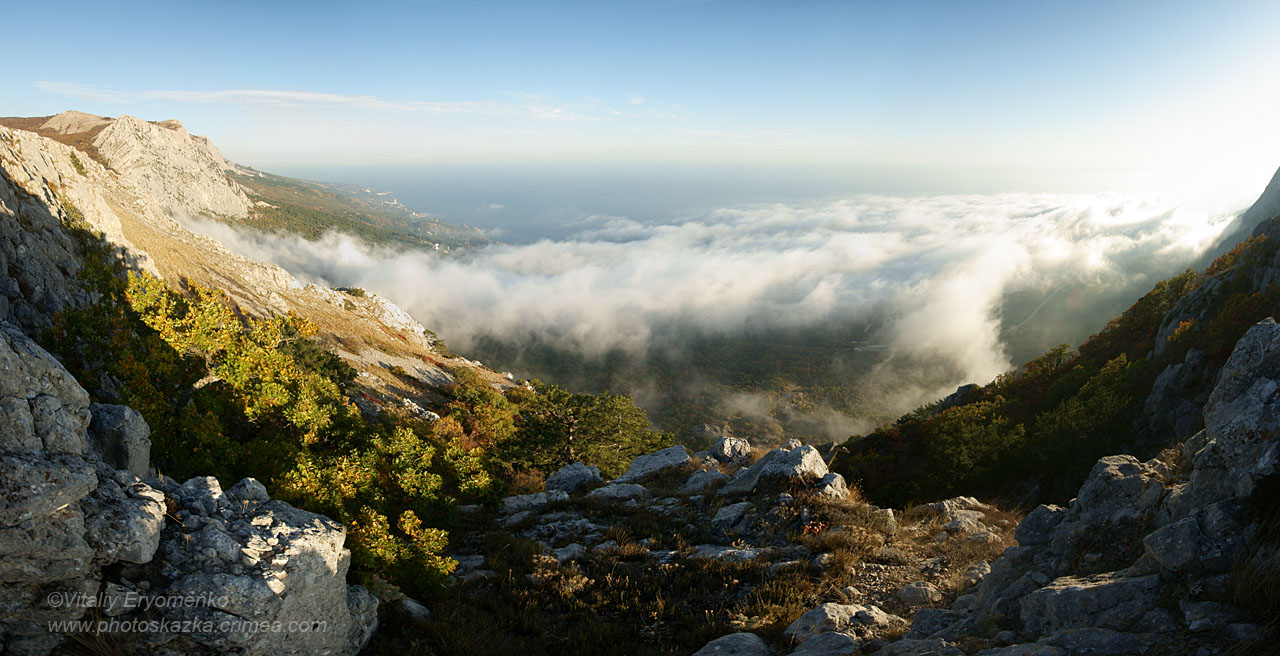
(913, 295)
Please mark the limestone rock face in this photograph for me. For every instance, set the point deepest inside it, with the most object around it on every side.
(64, 514)
(122, 437)
(185, 174)
(1089, 578)
(258, 562)
(39, 259)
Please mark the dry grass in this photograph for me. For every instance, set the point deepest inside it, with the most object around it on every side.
(98, 644)
(1255, 577)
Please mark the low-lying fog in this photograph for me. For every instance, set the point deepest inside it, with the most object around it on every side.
(965, 286)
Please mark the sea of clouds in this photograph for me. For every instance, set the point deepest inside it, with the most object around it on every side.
(931, 274)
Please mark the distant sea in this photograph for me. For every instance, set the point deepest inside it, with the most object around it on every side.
(523, 203)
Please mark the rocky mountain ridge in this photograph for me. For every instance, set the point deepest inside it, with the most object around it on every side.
(153, 174)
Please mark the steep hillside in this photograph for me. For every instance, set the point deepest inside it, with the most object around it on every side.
(189, 177)
(154, 172)
(1134, 387)
(204, 366)
(311, 209)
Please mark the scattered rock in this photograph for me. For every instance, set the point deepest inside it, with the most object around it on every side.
(828, 644)
(919, 593)
(718, 552)
(730, 449)
(521, 502)
(729, 516)
(620, 491)
(735, 644)
(571, 478)
(832, 486)
(700, 482)
(414, 610)
(648, 465)
(569, 552)
(833, 617)
(920, 647)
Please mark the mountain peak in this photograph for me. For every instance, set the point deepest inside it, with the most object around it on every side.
(73, 122)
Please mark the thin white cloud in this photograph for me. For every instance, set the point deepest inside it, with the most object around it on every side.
(635, 100)
(530, 106)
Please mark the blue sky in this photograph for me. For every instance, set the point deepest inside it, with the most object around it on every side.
(1048, 95)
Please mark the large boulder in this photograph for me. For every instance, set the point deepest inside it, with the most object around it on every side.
(828, 644)
(648, 465)
(832, 617)
(802, 463)
(735, 644)
(259, 564)
(730, 449)
(122, 437)
(571, 478)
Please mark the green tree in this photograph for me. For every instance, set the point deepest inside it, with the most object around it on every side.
(557, 427)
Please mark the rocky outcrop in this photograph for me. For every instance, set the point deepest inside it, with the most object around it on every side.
(64, 513)
(39, 260)
(258, 563)
(1098, 576)
(84, 537)
(186, 175)
(121, 436)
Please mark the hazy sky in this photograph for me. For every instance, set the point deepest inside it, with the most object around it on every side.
(1049, 96)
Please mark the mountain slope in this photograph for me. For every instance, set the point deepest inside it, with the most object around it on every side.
(1134, 386)
(152, 173)
(189, 177)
